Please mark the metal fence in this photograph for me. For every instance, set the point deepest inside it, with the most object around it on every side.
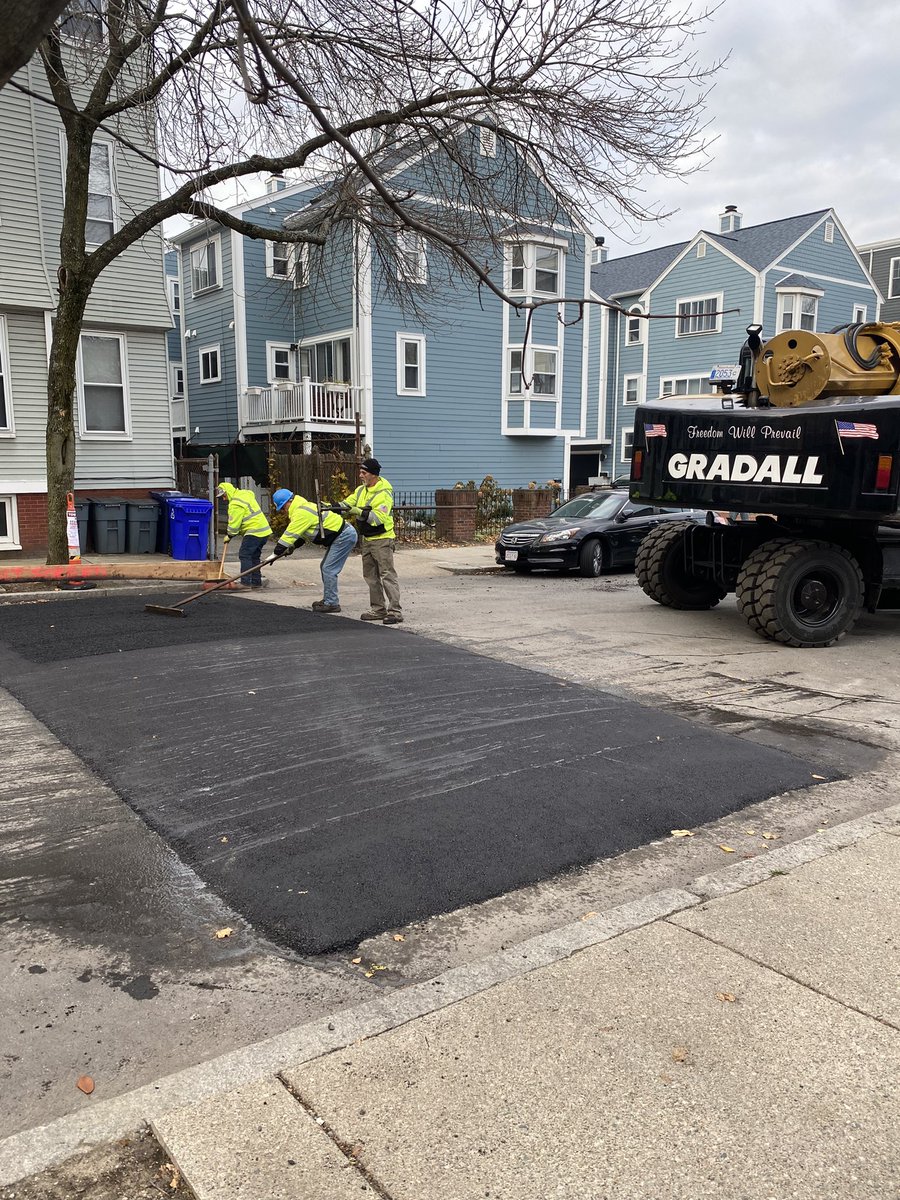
(416, 515)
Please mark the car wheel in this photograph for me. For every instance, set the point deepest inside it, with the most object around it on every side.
(592, 559)
(662, 572)
(805, 594)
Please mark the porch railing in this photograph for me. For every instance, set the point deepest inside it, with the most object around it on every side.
(303, 403)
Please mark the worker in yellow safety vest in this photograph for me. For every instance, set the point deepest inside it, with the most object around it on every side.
(372, 506)
(322, 527)
(245, 517)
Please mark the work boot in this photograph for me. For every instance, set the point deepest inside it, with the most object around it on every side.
(327, 608)
(392, 619)
(370, 616)
(318, 605)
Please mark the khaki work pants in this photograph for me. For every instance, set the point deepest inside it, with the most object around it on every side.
(379, 574)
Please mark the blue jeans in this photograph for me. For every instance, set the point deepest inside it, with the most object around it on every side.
(335, 557)
(249, 554)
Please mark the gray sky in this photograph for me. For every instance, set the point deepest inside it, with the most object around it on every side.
(807, 116)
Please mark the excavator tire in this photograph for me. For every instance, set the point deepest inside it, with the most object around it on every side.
(800, 593)
(659, 566)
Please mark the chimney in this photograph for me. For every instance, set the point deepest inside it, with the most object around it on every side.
(730, 219)
(276, 183)
(600, 253)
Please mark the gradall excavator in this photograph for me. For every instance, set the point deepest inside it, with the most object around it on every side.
(804, 455)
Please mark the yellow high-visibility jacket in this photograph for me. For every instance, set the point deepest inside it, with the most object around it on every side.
(244, 513)
(303, 524)
(380, 499)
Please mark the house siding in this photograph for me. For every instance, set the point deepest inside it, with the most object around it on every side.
(833, 268)
(212, 407)
(878, 262)
(24, 457)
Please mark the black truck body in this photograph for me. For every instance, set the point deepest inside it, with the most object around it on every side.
(821, 483)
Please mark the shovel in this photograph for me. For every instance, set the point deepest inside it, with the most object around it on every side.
(178, 610)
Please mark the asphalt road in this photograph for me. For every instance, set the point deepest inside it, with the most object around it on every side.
(330, 780)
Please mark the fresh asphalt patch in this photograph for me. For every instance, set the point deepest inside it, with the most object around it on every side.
(331, 779)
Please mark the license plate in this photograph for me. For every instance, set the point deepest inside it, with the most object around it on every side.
(512, 555)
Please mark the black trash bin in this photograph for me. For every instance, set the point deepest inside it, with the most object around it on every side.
(163, 524)
(108, 522)
(142, 519)
(83, 512)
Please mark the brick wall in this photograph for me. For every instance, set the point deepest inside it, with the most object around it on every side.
(32, 516)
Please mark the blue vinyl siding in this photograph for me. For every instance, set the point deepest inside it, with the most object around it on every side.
(211, 406)
(824, 265)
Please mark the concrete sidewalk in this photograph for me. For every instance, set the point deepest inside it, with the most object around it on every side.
(738, 1037)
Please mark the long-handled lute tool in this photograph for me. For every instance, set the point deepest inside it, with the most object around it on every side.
(178, 610)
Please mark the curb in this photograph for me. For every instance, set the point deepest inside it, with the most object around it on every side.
(31, 1151)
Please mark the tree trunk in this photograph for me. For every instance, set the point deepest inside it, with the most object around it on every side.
(61, 413)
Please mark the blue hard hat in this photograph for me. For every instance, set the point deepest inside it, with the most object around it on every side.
(281, 497)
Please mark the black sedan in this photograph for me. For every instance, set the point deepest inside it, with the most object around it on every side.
(593, 532)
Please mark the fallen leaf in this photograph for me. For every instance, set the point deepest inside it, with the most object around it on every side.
(398, 937)
(750, 832)
(726, 997)
(820, 776)
(176, 1175)
(587, 916)
(224, 933)
(725, 849)
(679, 1054)
(770, 837)
(682, 833)
(85, 1084)
(356, 961)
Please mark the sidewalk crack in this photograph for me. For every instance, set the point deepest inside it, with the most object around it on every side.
(347, 1150)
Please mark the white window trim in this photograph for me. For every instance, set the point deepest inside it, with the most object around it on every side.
(794, 294)
(673, 379)
(892, 295)
(528, 353)
(718, 299)
(271, 347)
(173, 285)
(402, 340)
(639, 390)
(213, 287)
(174, 368)
(530, 246)
(110, 149)
(300, 265)
(270, 261)
(104, 435)
(70, 39)
(9, 430)
(860, 314)
(419, 271)
(634, 310)
(217, 346)
(340, 335)
(11, 541)
(625, 446)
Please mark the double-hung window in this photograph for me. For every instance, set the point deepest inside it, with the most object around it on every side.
(684, 385)
(698, 314)
(205, 266)
(101, 222)
(894, 279)
(633, 389)
(279, 260)
(412, 262)
(174, 297)
(83, 22)
(278, 355)
(797, 310)
(634, 326)
(627, 445)
(102, 390)
(410, 364)
(531, 371)
(210, 364)
(533, 269)
(7, 429)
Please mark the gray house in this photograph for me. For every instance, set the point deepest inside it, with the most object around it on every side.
(123, 426)
(882, 261)
(685, 309)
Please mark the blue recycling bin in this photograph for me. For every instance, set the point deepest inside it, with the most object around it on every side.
(108, 523)
(164, 520)
(189, 527)
(140, 536)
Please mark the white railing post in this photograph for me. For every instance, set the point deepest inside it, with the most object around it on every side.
(305, 398)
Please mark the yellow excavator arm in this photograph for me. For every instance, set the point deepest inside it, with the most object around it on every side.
(799, 367)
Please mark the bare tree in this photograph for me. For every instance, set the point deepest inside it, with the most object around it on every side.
(22, 25)
(582, 99)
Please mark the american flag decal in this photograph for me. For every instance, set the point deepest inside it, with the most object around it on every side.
(856, 429)
(654, 430)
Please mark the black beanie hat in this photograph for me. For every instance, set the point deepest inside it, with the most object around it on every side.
(372, 465)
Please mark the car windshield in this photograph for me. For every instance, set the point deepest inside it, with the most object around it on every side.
(591, 504)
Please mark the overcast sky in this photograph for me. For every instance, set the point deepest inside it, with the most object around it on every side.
(807, 116)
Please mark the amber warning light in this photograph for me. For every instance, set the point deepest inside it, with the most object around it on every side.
(883, 472)
(637, 465)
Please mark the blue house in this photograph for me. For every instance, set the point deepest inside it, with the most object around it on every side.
(435, 374)
(684, 310)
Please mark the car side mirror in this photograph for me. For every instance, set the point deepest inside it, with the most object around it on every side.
(621, 518)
